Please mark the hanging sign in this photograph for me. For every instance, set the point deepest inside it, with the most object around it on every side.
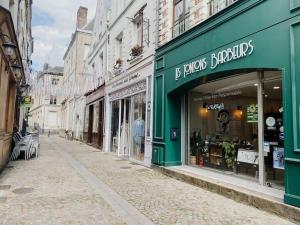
(26, 101)
(236, 52)
(252, 113)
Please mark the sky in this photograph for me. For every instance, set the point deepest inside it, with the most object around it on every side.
(53, 23)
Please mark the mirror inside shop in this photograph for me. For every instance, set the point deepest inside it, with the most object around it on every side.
(224, 131)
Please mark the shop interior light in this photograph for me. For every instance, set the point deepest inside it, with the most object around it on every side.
(240, 109)
(256, 85)
(276, 87)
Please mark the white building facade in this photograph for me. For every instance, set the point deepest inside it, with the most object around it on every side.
(132, 40)
(75, 79)
(96, 69)
(45, 113)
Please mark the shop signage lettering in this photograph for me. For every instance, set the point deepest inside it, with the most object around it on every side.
(238, 51)
(217, 106)
(218, 95)
(216, 59)
(126, 80)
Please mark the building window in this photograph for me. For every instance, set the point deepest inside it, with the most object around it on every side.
(119, 42)
(218, 5)
(54, 81)
(53, 100)
(181, 14)
(181, 8)
(139, 29)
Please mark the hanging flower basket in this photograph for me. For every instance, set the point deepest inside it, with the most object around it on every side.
(118, 63)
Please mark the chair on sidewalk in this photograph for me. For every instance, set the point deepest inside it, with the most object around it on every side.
(28, 144)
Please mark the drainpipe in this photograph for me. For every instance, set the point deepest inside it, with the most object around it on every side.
(157, 24)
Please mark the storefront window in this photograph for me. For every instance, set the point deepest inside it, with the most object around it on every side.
(223, 126)
(273, 133)
(96, 118)
(149, 108)
(86, 120)
(125, 129)
(115, 111)
(138, 127)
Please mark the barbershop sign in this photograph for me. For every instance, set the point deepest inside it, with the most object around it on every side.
(216, 59)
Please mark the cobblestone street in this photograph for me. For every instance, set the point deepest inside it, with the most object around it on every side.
(71, 183)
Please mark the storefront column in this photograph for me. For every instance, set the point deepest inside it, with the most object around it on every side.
(120, 117)
(183, 132)
(260, 99)
(107, 121)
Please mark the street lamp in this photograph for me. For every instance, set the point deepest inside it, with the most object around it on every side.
(24, 88)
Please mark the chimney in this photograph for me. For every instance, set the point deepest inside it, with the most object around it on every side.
(46, 66)
(81, 17)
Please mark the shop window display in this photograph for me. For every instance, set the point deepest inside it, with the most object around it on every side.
(86, 124)
(125, 129)
(138, 125)
(273, 133)
(115, 126)
(95, 123)
(223, 127)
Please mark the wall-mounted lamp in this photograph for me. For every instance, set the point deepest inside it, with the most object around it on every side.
(24, 88)
(17, 71)
(9, 49)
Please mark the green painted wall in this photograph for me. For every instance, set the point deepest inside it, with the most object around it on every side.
(274, 28)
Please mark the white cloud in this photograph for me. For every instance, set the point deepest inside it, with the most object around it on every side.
(51, 40)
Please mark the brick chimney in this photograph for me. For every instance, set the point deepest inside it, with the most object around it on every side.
(81, 17)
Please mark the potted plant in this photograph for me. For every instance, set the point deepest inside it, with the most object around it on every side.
(118, 63)
(229, 154)
(136, 50)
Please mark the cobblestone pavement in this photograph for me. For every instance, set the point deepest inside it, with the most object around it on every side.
(61, 195)
(47, 191)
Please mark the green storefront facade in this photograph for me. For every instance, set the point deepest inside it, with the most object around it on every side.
(248, 36)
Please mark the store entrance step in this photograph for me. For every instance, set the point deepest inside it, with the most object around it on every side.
(267, 202)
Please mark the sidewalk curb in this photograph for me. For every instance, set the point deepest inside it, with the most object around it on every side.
(238, 194)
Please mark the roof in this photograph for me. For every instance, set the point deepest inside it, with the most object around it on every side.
(56, 70)
(96, 89)
(88, 28)
(90, 25)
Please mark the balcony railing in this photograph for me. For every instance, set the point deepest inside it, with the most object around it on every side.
(181, 25)
(185, 23)
(216, 6)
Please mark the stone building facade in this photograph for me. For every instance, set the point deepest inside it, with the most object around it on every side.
(132, 42)
(11, 74)
(74, 78)
(96, 69)
(45, 112)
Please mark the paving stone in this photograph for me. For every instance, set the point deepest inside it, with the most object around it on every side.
(61, 196)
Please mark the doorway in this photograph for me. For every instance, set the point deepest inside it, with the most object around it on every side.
(100, 125)
(90, 125)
